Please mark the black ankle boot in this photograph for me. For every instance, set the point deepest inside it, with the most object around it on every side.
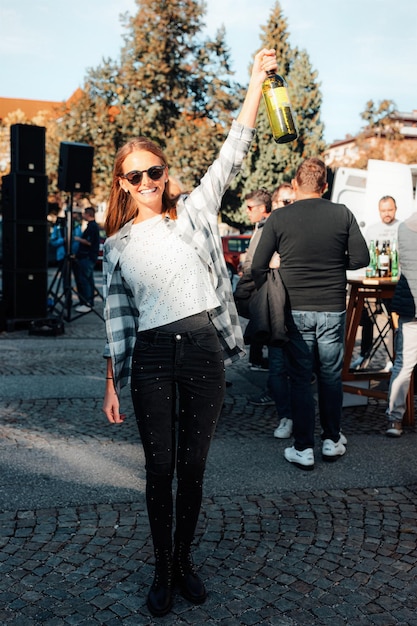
(159, 600)
(185, 577)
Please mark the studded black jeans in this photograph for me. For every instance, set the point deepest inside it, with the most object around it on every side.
(177, 389)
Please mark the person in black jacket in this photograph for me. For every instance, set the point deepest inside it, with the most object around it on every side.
(317, 241)
(258, 206)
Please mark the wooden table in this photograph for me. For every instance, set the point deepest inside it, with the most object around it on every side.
(369, 293)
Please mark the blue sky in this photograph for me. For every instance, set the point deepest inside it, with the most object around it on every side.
(362, 49)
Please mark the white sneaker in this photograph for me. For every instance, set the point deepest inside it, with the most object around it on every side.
(83, 308)
(342, 438)
(331, 451)
(302, 458)
(394, 430)
(284, 429)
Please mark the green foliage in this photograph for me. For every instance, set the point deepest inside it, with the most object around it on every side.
(374, 115)
(380, 121)
(169, 85)
(175, 87)
(269, 164)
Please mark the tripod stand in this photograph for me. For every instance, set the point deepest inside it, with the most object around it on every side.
(61, 288)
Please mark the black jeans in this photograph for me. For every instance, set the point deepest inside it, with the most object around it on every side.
(176, 377)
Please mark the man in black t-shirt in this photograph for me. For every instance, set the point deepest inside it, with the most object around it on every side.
(85, 260)
(317, 241)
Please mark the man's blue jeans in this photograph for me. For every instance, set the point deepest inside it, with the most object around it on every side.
(84, 277)
(316, 344)
(278, 381)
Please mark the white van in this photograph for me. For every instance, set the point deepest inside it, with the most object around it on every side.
(361, 190)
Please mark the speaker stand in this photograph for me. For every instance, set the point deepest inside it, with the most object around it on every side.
(61, 288)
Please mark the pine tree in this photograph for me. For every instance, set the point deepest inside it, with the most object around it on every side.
(169, 85)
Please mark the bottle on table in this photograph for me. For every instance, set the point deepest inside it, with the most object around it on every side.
(388, 251)
(372, 269)
(394, 260)
(384, 261)
(377, 253)
(278, 107)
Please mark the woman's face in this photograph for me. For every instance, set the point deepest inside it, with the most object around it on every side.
(147, 188)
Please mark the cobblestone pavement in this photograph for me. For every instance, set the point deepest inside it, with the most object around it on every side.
(275, 545)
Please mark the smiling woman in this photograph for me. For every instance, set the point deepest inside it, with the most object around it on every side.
(171, 325)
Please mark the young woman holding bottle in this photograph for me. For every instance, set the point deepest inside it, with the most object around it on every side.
(171, 325)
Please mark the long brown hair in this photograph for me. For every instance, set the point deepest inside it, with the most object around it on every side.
(121, 206)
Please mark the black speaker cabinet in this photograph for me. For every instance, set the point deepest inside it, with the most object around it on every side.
(25, 294)
(25, 197)
(27, 143)
(75, 167)
(25, 246)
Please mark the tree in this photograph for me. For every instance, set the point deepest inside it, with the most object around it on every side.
(270, 163)
(381, 138)
(381, 120)
(162, 87)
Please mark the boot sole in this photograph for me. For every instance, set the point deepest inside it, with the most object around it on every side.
(156, 613)
(192, 599)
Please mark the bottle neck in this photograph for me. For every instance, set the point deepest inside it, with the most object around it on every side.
(275, 79)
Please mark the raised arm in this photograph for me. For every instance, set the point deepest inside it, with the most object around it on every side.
(208, 194)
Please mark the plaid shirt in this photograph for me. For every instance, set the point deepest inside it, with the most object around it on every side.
(197, 225)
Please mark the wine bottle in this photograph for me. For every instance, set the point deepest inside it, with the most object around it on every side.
(384, 261)
(278, 108)
(377, 253)
(394, 260)
(372, 269)
(388, 252)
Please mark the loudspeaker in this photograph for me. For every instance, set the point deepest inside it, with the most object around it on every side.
(75, 166)
(25, 246)
(25, 294)
(27, 148)
(25, 197)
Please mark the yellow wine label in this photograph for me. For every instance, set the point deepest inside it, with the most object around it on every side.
(278, 97)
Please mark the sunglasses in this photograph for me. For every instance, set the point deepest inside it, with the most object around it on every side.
(135, 177)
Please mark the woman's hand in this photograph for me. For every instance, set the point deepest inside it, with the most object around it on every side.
(111, 405)
(264, 61)
(275, 261)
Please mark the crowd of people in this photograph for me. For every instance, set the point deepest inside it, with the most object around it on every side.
(172, 322)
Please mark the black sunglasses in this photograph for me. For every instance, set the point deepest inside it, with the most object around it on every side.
(135, 178)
